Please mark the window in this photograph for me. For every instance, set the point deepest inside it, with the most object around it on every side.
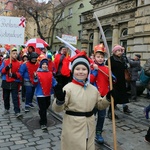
(70, 12)
(62, 15)
(69, 29)
(61, 30)
(79, 34)
(34, 32)
(41, 29)
(124, 32)
(81, 5)
(108, 33)
(91, 36)
(45, 29)
(80, 19)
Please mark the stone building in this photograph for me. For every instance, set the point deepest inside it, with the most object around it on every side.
(124, 22)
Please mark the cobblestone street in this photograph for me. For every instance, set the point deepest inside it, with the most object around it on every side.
(25, 133)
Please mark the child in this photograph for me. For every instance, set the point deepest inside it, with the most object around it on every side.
(27, 72)
(99, 78)
(45, 81)
(78, 99)
(10, 82)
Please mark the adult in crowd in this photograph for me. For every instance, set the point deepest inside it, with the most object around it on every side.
(134, 68)
(61, 63)
(118, 67)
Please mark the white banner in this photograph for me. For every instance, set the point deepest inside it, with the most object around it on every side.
(10, 31)
(70, 39)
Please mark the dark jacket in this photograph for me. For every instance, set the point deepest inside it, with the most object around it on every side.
(134, 68)
(118, 68)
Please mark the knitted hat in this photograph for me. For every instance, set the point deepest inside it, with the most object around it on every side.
(117, 47)
(43, 61)
(80, 59)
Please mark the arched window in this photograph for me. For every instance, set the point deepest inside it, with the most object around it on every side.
(91, 37)
(124, 32)
(108, 33)
(81, 5)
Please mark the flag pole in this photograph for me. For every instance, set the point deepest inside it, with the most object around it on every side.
(110, 81)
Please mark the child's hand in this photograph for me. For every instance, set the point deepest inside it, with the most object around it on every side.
(95, 66)
(35, 75)
(59, 93)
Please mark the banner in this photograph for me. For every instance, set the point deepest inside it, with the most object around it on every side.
(70, 39)
(10, 31)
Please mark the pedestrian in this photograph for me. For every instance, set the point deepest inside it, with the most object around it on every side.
(99, 78)
(10, 82)
(27, 72)
(44, 81)
(118, 69)
(133, 69)
(61, 63)
(78, 99)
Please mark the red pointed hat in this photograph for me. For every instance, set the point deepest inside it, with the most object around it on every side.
(99, 48)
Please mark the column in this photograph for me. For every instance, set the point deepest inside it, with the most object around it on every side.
(115, 37)
(96, 37)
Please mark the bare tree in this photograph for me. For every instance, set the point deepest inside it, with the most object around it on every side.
(40, 12)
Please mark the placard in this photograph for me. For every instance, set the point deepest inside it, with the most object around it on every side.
(10, 31)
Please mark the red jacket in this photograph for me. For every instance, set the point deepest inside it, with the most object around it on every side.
(101, 80)
(64, 68)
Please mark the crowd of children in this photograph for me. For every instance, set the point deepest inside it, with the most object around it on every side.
(42, 76)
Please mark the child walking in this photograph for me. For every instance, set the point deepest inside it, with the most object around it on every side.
(78, 99)
(99, 78)
(44, 82)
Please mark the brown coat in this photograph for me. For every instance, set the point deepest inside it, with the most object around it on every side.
(75, 130)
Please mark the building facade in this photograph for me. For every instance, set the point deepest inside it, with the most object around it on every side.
(71, 21)
(124, 22)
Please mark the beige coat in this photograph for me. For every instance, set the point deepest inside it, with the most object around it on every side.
(75, 130)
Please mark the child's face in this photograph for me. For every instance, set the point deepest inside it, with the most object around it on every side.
(25, 59)
(99, 58)
(80, 72)
(44, 66)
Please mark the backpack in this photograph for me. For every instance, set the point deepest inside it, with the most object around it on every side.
(144, 79)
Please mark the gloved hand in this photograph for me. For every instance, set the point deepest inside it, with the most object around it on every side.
(109, 94)
(13, 75)
(59, 93)
(8, 67)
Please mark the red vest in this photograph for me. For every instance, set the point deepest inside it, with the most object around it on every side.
(15, 69)
(31, 69)
(45, 79)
